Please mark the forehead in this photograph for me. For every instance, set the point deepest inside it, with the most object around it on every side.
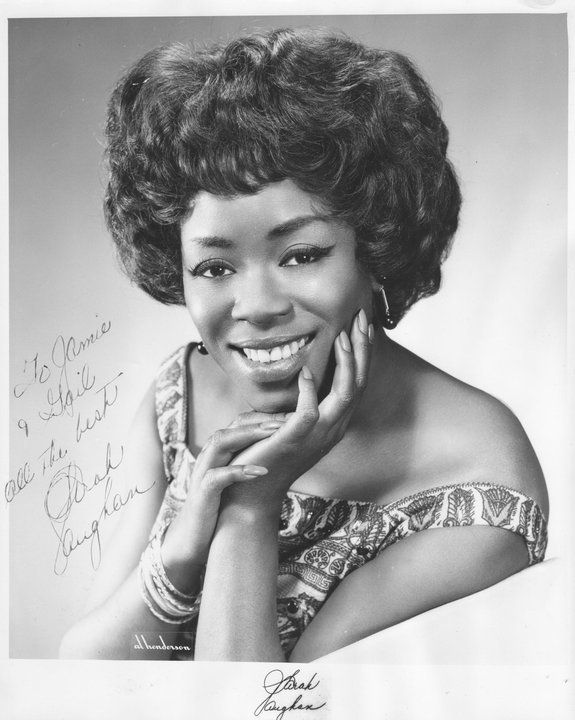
(276, 204)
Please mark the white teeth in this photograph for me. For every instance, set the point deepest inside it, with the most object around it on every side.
(280, 352)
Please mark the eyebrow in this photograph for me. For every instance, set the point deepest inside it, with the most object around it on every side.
(279, 231)
(212, 241)
(294, 224)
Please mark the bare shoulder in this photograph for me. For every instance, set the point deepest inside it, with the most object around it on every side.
(474, 433)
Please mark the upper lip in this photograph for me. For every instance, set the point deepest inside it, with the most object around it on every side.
(269, 342)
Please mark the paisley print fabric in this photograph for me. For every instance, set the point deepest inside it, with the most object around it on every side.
(322, 540)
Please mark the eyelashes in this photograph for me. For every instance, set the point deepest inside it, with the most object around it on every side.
(218, 269)
(294, 257)
(304, 255)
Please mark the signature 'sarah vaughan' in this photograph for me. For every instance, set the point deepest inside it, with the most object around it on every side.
(279, 700)
(68, 488)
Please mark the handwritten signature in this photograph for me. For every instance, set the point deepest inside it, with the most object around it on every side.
(275, 683)
(66, 490)
(63, 381)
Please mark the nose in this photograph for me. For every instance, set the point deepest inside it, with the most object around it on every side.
(260, 299)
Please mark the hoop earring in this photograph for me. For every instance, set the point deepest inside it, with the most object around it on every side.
(388, 321)
(202, 348)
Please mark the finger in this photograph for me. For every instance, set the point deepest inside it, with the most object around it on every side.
(306, 413)
(253, 417)
(342, 394)
(225, 443)
(361, 349)
(217, 479)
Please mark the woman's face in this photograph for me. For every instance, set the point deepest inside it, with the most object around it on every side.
(270, 280)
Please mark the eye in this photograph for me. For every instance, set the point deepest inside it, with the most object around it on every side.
(304, 255)
(212, 269)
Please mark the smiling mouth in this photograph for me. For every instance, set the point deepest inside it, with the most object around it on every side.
(275, 353)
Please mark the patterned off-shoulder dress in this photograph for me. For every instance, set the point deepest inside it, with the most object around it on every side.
(322, 540)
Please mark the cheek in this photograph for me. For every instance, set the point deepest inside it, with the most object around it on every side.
(338, 300)
(205, 309)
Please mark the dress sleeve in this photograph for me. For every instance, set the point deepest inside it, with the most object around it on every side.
(470, 504)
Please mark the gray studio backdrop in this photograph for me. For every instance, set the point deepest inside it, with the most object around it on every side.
(499, 321)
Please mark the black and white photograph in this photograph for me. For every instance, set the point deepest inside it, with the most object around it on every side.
(288, 363)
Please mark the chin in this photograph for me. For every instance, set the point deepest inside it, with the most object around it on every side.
(270, 401)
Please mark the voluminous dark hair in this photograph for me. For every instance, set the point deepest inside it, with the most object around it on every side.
(359, 128)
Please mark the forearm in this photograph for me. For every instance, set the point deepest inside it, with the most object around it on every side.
(112, 629)
(238, 615)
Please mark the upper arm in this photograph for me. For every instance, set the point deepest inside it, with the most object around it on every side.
(418, 573)
(505, 453)
(141, 469)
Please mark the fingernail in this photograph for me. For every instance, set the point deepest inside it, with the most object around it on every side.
(344, 340)
(371, 333)
(362, 321)
(270, 425)
(255, 470)
(305, 371)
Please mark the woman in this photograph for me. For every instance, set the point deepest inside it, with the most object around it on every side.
(292, 189)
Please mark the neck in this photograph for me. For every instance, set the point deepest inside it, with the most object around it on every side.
(383, 392)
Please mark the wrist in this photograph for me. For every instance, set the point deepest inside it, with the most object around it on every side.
(170, 603)
(182, 543)
(258, 514)
(184, 563)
